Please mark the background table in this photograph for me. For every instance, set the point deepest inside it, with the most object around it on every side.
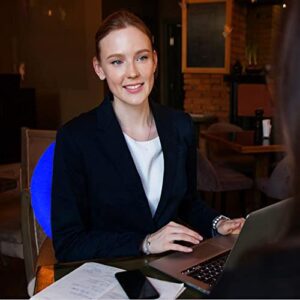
(244, 143)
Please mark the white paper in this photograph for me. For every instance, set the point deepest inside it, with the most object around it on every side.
(97, 281)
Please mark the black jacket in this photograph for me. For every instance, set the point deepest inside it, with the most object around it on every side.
(99, 207)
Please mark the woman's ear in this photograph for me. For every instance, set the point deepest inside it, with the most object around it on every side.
(98, 69)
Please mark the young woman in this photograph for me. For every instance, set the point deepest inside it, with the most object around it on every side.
(124, 179)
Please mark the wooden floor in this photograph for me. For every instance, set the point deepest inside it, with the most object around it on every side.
(12, 278)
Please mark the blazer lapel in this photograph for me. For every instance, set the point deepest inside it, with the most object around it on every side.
(114, 144)
(168, 138)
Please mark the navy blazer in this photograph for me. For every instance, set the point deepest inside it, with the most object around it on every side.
(99, 207)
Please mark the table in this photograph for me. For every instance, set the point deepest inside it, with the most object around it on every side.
(244, 143)
(48, 274)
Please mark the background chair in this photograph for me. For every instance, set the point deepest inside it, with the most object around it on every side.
(10, 212)
(219, 179)
(249, 93)
(279, 185)
(224, 156)
(37, 247)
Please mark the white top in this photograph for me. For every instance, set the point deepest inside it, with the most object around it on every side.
(149, 161)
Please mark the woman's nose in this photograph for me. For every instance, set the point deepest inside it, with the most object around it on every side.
(132, 70)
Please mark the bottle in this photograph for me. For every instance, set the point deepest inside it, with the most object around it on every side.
(258, 134)
(237, 68)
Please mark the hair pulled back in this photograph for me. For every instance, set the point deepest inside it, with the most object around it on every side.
(119, 20)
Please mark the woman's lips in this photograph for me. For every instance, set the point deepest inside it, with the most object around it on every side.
(133, 88)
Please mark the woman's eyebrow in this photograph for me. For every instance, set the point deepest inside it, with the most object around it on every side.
(122, 55)
(114, 55)
(143, 50)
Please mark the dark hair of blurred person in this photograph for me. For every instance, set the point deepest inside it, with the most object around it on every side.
(273, 271)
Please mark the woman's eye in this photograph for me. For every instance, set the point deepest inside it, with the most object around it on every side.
(116, 62)
(142, 58)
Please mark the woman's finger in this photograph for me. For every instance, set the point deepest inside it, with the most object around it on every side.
(177, 247)
(183, 237)
(178, 228)
(229, 226)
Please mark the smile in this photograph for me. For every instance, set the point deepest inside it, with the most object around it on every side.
(133, 88)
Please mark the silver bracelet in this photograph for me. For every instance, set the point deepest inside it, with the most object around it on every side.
(146, 245)
(217, 219)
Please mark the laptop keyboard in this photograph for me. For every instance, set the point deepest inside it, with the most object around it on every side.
(208, 271)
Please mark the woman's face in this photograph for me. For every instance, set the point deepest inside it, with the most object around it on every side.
(128, 63)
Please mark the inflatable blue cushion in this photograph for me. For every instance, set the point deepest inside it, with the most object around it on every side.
(41, 185)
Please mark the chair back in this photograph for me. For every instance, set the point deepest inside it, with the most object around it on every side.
(10, 212)
(224, 127)
(207, 178)
(280, 181)
(216, 152)
(34, 143)
(251, 97)
(248, 94)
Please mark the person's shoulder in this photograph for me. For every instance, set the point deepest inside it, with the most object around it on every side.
(88, 122)
(82, 123)
(178, 116)
(180, 122)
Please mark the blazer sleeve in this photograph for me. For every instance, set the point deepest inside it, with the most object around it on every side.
(193, 209)
(73, 236)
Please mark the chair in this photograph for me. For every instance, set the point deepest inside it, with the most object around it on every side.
(223, 156)
(279, 185)
(38, 249)
(219, 179)
(248, 93)
(10, 212)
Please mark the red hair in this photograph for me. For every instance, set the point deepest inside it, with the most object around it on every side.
(119, 20)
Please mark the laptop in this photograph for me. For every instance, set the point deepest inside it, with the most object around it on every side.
(202, 268)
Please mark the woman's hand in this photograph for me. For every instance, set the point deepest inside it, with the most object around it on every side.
(233, 226)
(164, 239)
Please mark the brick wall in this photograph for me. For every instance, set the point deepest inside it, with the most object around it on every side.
(259, 33)
(206, 93)
(276, 25)
(209, 93)
(238, 36)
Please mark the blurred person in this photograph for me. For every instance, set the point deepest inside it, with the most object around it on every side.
(124, 178)
(273, 270)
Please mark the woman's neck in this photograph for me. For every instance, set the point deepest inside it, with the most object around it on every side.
(136, 121)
